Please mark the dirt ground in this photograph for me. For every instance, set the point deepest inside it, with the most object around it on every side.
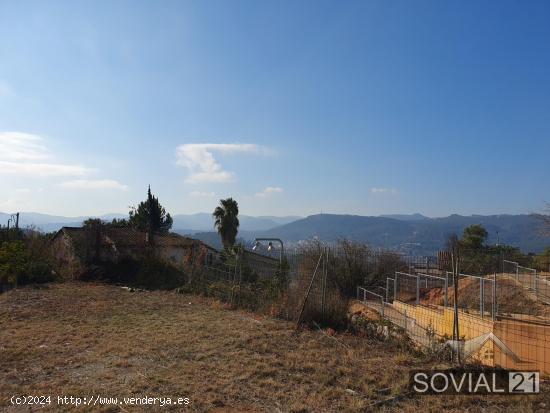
(87, 340)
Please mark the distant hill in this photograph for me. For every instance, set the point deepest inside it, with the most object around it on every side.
(212, 238)
(328, 227)
(403, 217)
(50, 223)
(209, 238)
(200, 222)
(282, 220)
(204, 222)
(423, 236)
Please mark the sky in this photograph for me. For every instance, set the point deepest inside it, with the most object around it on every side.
(290, 107)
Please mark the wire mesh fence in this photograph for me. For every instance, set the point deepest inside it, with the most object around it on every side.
(475, 294)
(406, 287)
(529, 278)
(314, 282)
(502, 312)
(371, 299)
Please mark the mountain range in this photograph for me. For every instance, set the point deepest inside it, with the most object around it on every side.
(414, 234)
(189, 222)
(411, 234)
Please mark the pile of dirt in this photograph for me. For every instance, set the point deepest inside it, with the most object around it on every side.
(434, 295)
(511, 297)
(357, 308)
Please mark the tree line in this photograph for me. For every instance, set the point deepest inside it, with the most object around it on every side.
(479, 258)
(150, 216)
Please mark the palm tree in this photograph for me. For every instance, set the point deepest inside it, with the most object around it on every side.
(226, 221)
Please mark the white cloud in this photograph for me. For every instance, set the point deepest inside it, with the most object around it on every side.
(269, 191)
(199, 194)
(381, 190)
(198, 158)
(22, 147)
(93, 184)
(42, 169)
(25, 154)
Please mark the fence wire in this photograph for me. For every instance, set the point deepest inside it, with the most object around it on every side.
(503, 311)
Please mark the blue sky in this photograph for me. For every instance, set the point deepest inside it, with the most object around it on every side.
(291, 107)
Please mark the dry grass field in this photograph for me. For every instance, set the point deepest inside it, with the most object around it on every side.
(91, 339)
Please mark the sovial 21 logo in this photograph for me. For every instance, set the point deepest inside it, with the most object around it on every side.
(474, 381)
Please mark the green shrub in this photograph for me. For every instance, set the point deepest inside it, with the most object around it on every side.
(22, 263)
(12, 262)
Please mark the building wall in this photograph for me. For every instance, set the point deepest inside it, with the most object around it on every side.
(174, 255)
(74, 248)
(68, 265)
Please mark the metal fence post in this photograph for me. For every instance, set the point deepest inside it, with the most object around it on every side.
(446, 299)
(308, 291)
(495, 286)
(395, 287)
(324, 284)
(417, 290)
(481, 297)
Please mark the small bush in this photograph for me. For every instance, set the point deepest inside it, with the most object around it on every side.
(22, 262)
(329, 312)
(384, 330)
(254, 296)
(327, 302)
